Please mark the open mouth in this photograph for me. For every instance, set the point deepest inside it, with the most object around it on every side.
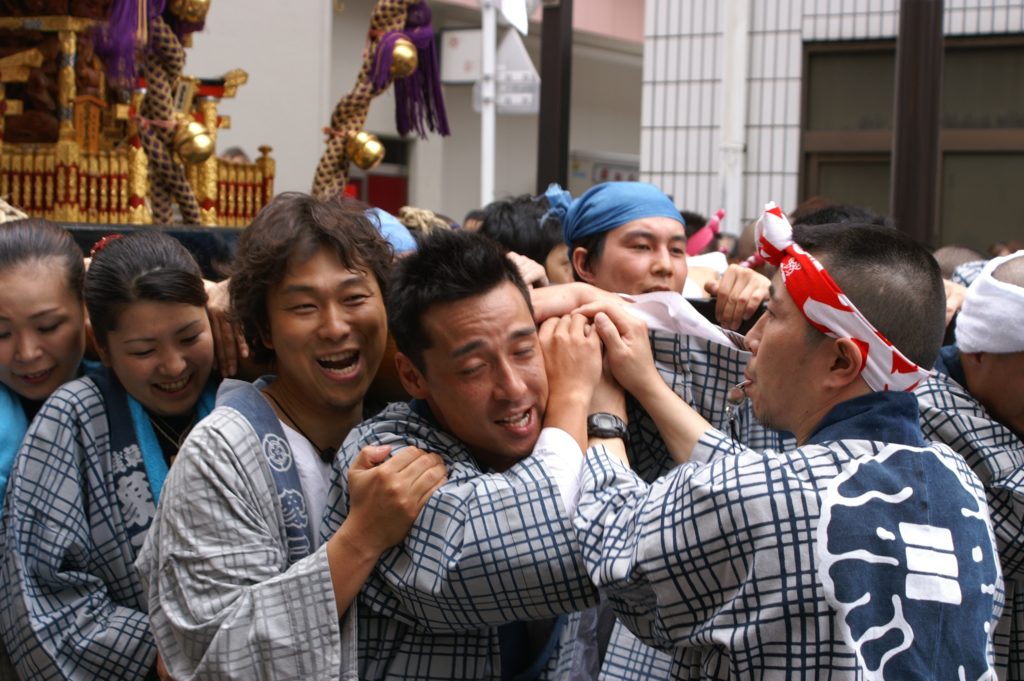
(517, 421)
(340, 364)
(172, 387)
(36, 377)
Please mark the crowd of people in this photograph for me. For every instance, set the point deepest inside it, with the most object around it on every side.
(390, 448)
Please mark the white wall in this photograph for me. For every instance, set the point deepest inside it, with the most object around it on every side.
(303, 56)
(285, 48)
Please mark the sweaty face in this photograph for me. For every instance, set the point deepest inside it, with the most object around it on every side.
(328, 330)
(162, 353)
(484, 374)
(42, 329)
(997, 381)
(639, 257)
(785, 365)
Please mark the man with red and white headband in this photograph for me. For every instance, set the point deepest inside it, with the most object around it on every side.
(863, 553)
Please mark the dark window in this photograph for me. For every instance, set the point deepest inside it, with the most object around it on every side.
(846, 140)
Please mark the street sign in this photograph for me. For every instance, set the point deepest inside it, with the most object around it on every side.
(517, 81)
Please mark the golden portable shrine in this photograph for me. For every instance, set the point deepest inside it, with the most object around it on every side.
(77, 147)
(98, 123)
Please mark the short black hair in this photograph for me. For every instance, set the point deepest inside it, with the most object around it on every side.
(143, 266)
(842, 213)
(35, 240)
(693, 222)
(297, 225)
(594, 243)
(448, 266)
(475, 214)
(518, 225)
(894, 282)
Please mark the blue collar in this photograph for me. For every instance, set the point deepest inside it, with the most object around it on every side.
(950, 364)
(890, 417)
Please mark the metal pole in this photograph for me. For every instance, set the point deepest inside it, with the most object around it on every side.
(735, 46)
(487, 99)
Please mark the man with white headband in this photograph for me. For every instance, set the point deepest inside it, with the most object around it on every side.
(975, 404)
(862, 553)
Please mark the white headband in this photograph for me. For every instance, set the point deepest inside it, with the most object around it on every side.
(992, 317)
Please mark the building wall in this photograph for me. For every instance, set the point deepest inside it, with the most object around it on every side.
(285, 48)
(444, 173)
(682, 91)
(620, 19)
(303, 56)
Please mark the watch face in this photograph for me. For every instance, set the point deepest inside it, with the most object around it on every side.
(605, 425)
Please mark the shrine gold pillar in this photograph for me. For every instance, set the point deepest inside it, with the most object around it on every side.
(206, 177)
(68, 154)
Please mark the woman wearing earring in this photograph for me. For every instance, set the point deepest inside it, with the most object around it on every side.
(85, 484)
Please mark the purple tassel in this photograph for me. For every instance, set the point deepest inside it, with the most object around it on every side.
(384, 59)
(419, 102)
(114, 39)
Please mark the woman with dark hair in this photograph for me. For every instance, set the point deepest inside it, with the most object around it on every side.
(42, 332)
(42, 325)
(86, 481)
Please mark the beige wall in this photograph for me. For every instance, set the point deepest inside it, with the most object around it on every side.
(284, 48)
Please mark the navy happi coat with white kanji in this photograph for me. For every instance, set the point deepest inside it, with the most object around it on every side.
(863, 554)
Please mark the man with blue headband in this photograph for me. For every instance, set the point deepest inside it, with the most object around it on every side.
(629, 238)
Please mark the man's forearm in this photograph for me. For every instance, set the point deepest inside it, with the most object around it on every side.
(678, 423)
(569, 413)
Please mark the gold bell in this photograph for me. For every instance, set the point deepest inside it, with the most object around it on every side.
(365, 150)
(192, 141)
(403, 58)
(192, 11)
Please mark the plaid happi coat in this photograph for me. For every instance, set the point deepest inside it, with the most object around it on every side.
(846, 558)
(951, 415)
(71, 606)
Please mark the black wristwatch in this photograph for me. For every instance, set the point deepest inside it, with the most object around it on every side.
(603, 424)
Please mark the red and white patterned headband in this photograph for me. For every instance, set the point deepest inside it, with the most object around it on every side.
(827, 308)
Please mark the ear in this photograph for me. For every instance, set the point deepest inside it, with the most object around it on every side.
(846, 362)
(413, 380)
(972, 359)
(100, 349)
(579, 263)
(266, 339)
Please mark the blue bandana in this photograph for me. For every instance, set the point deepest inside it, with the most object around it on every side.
(559, 201)
(392, 230)
(606, 206)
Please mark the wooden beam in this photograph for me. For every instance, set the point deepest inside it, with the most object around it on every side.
(555, 90)
(915, 162)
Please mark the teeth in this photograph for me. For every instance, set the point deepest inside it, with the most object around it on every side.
(38, 374)
(516, 421)
(171, 387)
(340, 357)
(340, 362)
